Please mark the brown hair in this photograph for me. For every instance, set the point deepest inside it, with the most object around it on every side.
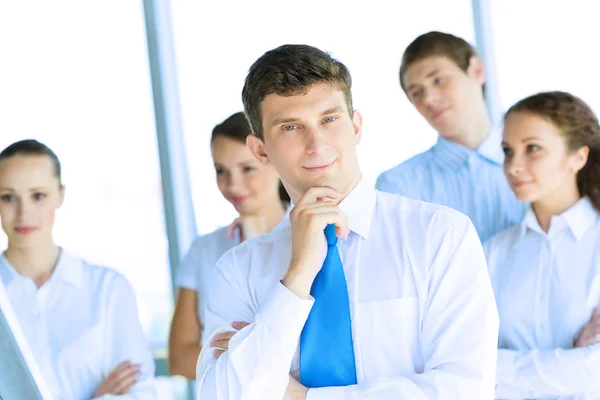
(578, 124)
(436, 43)
(236, 127)
(31, 147)
(289, 70)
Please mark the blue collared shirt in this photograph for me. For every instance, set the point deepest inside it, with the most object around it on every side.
(470, 181)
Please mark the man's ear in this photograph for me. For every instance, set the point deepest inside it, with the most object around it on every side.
(357, 124)
(257, 147)
(476, 69)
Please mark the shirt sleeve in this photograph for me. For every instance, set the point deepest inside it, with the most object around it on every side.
(187, 273)
(257, 364)
(557, 372)
(459, 334)
(126, 340)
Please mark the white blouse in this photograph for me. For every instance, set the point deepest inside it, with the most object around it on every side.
(80, 325)
(198, 265)
(546, 287)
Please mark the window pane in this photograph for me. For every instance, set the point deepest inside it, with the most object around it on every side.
(75, 76)
(216, 42)
(173, 388)
(546, 46)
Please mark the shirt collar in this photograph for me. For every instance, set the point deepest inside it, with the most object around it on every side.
(491, 148)
(529, 222)
(358, 206)
(450, 155)
(7, 272)
(578, 219)
(69, 269)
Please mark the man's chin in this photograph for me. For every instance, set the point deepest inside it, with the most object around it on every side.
(447, 133)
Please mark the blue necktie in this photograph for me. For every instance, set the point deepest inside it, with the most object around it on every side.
(326, 352)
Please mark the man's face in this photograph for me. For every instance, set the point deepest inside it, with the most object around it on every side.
(445, 95)
(310, 139)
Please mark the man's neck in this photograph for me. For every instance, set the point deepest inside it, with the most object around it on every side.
(350, 187)
(474, 133)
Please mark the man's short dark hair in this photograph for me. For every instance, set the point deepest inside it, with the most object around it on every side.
(290, 70)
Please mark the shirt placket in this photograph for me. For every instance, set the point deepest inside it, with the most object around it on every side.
(542, 295)
(43, 297)
(475, 170)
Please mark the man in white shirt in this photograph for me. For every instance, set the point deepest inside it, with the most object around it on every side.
(396, 303)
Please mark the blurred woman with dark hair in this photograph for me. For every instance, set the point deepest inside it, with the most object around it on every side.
(257, 194)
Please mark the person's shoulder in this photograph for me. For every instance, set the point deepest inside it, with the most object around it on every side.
(210, 246)
(102, 275)
(395, 178)
(98, 281)
(209, 239)
(418, 160)
(502, 240)
(404, 207)
(258, 245)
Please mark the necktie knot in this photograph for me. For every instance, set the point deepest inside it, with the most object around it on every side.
(330, 235)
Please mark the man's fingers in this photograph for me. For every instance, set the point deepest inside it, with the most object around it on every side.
(324, 215)
(315, 193)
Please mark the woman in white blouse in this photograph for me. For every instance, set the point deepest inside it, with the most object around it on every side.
(261, 201)
(80, 320)
(546, 271)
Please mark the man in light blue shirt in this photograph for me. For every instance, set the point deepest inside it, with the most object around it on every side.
(444, 78)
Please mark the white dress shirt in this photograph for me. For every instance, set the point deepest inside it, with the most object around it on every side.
(199, 263)
(81, 324)
(424, 320)
(547, 286)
